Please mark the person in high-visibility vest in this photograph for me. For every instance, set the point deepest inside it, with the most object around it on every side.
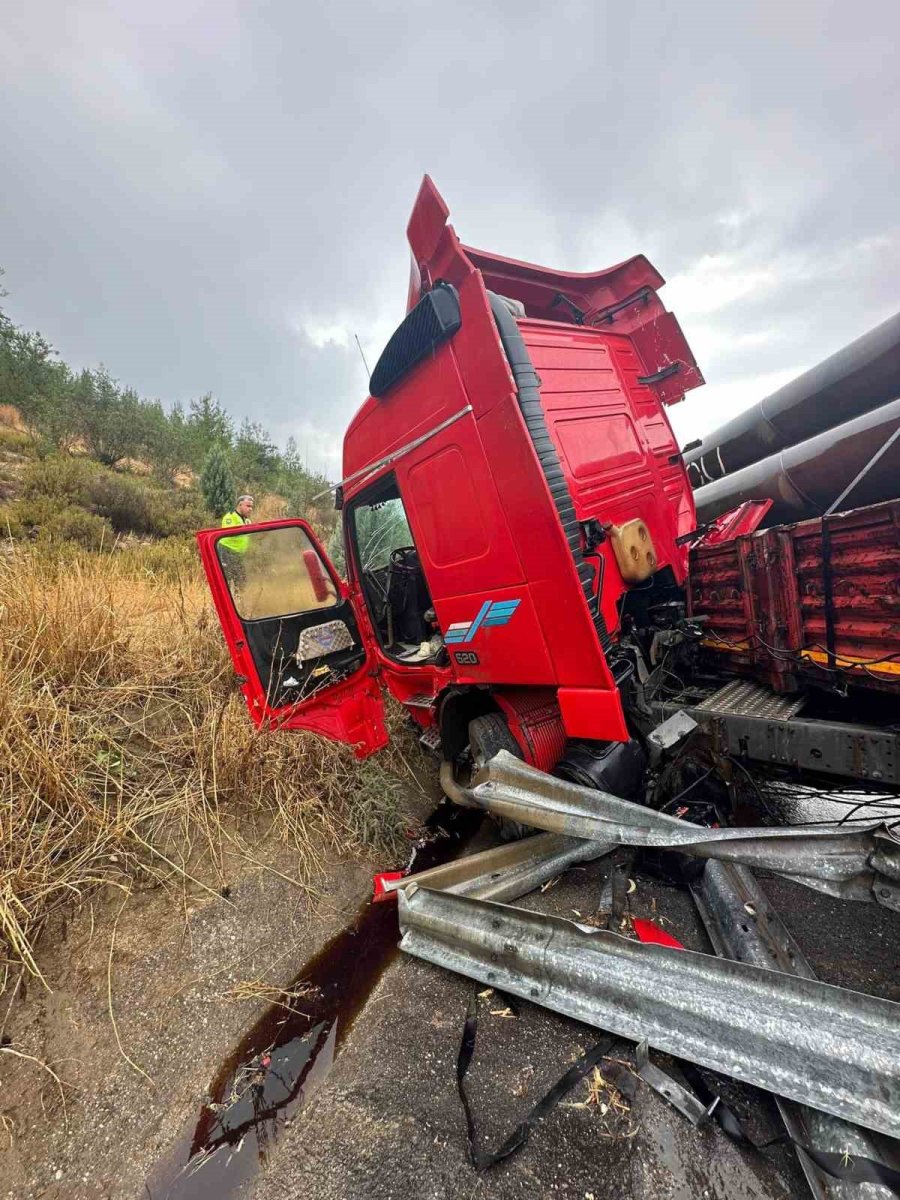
(241, 514)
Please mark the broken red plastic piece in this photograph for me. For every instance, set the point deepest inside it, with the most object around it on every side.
(380, 880)
(649, 931)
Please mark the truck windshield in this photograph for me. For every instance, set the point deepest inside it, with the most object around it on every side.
(380, 528)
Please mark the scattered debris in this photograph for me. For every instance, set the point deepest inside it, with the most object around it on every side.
(670, 1089)
(649, 931)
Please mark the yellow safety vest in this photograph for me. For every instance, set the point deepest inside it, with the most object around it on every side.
(237, 545)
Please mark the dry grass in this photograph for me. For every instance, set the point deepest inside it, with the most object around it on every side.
(270, 993)
(11, 418)
(125, 744)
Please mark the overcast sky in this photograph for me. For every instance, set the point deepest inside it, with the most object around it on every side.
(208, 195)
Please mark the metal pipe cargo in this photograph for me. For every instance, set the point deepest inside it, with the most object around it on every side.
(805, 480)
(853, 381)
(820, 1045)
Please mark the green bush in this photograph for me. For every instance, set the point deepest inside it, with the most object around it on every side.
(80, 482)
(24, 517)
(60, 477)
(17, 441)
(174, 514)
(126, 502)
(130, 504)
(80, 526)
(50, 519)
(216, 482)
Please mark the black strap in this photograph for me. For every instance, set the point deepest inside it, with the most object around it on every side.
(847, 1167)
(520, 1135)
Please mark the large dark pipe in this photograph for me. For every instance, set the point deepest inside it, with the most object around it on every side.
(805, 480)
(855, 380)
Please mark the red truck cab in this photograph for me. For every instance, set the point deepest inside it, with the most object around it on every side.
(509, 481)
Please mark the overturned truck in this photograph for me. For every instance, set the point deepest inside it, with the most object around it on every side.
(596, 650)
(525, 567)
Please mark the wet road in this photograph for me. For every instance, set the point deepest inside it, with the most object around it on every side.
(387, 1121)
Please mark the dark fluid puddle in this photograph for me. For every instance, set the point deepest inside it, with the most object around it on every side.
(279, 1064)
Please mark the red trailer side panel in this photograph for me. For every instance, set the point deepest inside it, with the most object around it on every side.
(817, 602)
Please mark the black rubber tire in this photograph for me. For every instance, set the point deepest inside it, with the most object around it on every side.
(487, 736)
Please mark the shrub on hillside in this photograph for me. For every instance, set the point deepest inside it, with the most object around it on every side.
(216, 482)
(77, 525)
(46, 519)
(24, 517)
(123, 500)
(16, 440)
(60, 477)
(176, 513)
(130, 504)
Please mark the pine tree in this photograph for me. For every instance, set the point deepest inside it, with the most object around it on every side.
(216, 483)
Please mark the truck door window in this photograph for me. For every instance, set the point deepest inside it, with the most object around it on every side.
(273, 572)
(302, 634)
(392, 578)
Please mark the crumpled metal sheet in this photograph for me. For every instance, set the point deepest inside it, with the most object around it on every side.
(824, 1046)
(854, 864)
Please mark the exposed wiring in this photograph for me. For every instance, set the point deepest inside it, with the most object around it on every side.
(846, 818)
(691, 786)
(799, 655)
(866, 821)
(759, 793)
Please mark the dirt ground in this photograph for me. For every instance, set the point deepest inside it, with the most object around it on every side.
(386, 1122)
(99, 1134)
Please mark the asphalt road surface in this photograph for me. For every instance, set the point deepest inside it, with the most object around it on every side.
(387, 1123)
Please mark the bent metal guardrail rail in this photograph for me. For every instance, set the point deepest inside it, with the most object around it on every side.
(820, 1045)
(857, 864)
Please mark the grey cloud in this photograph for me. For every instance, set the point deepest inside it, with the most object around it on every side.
(191, 190)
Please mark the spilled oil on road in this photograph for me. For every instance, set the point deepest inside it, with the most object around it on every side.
(280, 1062)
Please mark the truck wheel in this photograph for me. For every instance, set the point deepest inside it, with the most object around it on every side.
(487, 736)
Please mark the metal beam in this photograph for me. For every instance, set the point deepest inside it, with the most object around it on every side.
(854, 864)
(826, 747)
(820, 1045)
(506, 872)
(742, 925)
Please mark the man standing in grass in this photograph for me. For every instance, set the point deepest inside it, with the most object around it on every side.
(232, 563)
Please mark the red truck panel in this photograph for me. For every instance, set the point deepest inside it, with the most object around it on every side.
(614, 441)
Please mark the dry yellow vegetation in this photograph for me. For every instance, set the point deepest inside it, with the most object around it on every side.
(125, 744)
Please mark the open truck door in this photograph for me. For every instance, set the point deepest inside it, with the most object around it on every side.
(302, 655)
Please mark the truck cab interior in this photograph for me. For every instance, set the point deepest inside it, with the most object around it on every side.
(391, 575)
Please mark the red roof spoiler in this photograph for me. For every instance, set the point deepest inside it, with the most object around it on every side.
(622, 299)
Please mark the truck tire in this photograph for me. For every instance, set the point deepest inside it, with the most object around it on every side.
(487, 736)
